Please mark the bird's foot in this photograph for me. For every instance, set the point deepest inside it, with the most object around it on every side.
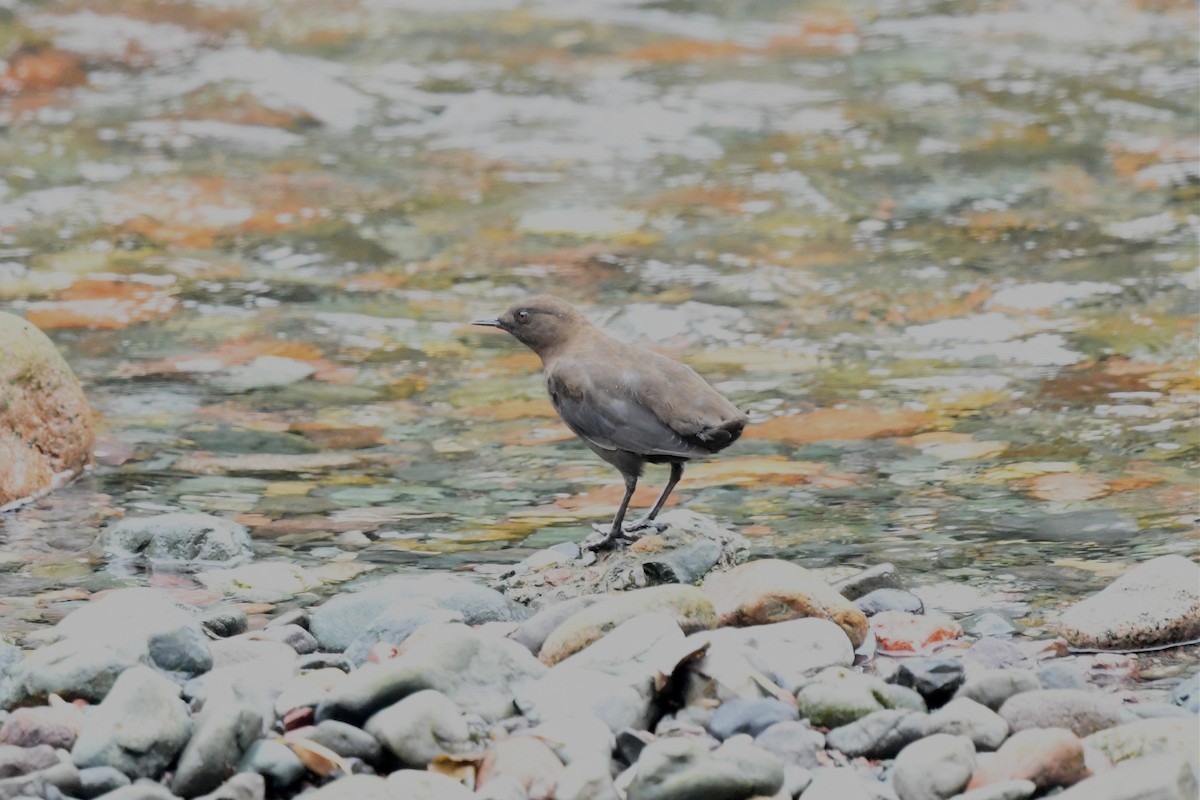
(602, 538)
(605, 536)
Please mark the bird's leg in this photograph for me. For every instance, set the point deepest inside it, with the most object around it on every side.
(596, 542)
(648, 520)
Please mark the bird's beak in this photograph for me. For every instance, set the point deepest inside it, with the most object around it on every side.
(487, 323)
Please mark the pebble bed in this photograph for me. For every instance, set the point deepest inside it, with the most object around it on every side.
(756, 679)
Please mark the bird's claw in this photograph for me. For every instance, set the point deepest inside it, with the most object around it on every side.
(599, 540)
(630, 531)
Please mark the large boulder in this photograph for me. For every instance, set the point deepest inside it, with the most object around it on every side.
(46, 431)
(1155, 603)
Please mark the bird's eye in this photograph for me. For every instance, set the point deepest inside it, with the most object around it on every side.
(522, 316)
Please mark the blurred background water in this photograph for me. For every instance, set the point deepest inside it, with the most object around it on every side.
(943, 253)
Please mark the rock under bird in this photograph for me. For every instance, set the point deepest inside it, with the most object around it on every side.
(628, 404)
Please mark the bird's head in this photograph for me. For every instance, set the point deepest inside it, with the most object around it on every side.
(541, 323)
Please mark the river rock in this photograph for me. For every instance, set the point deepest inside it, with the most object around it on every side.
(97, 642)
(1062, 675)
(277, 763)
(256, 671)
(912, 634)
(348, 741)
(18, 760)
(787, 653)
(1187, 695)
(422, 727)
(691, 546)
(397, 622)
(412, 784)
(986, 729)
(96, 781)
(936, 679)
(1153, 778)
(881, 600)
(684, 769)
(569, 693)
(1155, 603)
(991, 652)
(1148, 737)
(12, 689)
(770, 590)
(179, 536)
(839, 696)
(1081, 712)
(586, 780)
(880, 734)
(1047, 756)
(988, 623)
(750, 717)
(224, 620)
(352, 787)
(993, 686)
(838, 784)
(144, 789)
(223, 731)
(691, 610)
(56, 781)
(525, 761)
(860, 584)
(46, 431)
(139, 727)
(243, 786)
(639, 647)
(57, 726)
(793, 742)
(1006, 790)
(343, 618)
(475, 670)
(533, 632)
(934, 768)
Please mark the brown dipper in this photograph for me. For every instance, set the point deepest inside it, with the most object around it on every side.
(629, 405)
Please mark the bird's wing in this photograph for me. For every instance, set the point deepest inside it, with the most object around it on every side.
(696, 410)
(597, 407)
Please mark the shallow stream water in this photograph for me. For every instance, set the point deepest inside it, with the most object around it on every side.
(943, 253)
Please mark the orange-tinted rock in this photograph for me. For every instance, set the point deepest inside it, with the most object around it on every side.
(835, 424)
(902, 632)
(340, 437)
(45, 423)
(1047, 756)
(42, 70)
(770, 590)
(524, 761)
(101, 305)
(692, 610)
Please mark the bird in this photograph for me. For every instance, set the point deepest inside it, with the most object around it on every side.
(629, 405)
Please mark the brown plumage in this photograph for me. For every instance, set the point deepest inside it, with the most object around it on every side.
(628, 404)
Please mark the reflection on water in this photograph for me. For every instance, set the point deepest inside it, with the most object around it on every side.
(943, 253)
